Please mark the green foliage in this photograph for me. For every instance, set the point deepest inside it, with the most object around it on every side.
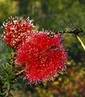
(6, 73)
(6, 78)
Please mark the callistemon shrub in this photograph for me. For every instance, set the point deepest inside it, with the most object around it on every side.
(41, 54)
(16, 30)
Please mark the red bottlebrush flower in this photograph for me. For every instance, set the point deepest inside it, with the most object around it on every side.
(16, 30)
(43, 56)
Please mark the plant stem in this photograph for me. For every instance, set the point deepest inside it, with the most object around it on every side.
(81, 42)
(76, 32)
(20, 73)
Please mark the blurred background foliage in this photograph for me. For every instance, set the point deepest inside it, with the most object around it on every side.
(52, 15)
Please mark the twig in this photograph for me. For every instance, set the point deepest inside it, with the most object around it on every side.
(19, 73)
(81, 42)
(76, 32)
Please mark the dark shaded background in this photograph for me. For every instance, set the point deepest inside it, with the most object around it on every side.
(52, 15)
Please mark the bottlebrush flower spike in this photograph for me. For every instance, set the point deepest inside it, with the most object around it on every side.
(16, 30)
(43, 57)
